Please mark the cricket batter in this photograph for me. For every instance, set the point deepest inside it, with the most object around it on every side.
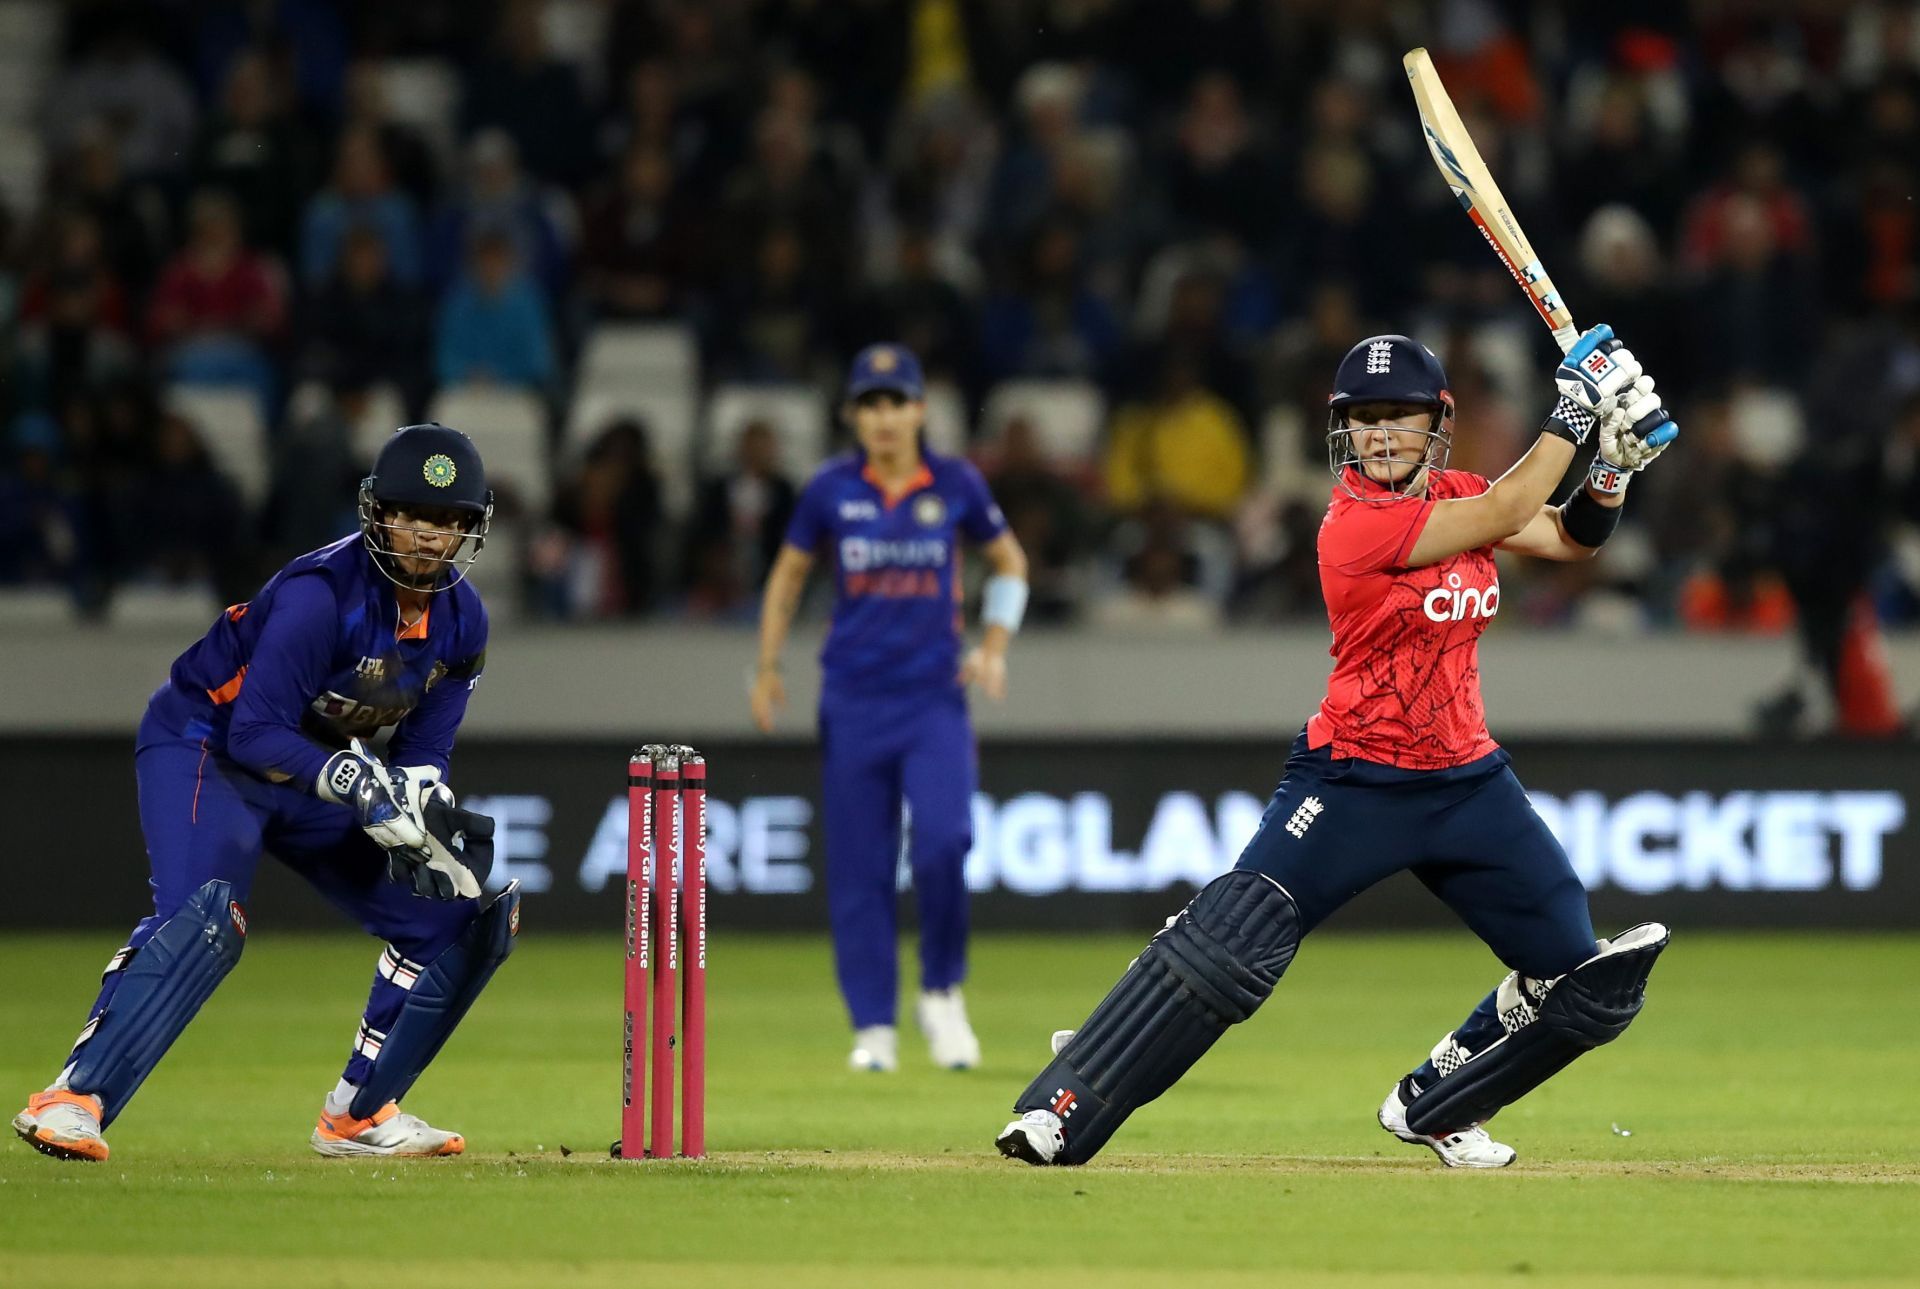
(1397, 771)
(255, 742)
(893, 707)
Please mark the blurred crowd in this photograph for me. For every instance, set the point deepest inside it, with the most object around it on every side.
(1190, 208)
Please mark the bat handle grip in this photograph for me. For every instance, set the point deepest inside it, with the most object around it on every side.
(1566, 337)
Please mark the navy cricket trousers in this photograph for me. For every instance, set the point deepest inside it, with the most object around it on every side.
(1337, 825)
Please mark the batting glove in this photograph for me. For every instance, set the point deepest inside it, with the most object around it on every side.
(1591, 378)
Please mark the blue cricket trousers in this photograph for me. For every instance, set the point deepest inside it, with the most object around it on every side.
(879, 751)
(204, 818)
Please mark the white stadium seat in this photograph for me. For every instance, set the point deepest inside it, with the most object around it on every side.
(946, 419)
(509, 427)
(1067, 415)
(228, 422)
(797, 414)
(655, 355)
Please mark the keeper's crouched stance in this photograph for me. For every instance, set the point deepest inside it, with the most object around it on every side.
(254, 744)
(1397, 772)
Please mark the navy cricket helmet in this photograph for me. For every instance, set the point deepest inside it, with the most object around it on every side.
(429, 467)
(894, 368)
(1388, 369)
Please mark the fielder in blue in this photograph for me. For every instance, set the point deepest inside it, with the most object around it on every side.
(256, 743)
(893, 709)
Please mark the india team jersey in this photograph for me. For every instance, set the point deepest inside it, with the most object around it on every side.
(896, 561)
(317, 657)
(1405, 689)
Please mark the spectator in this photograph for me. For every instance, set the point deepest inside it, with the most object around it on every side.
(39, 526)
(1048, 514)
(1220, 178)
(315, 479)
(1156, 595)
(493, 325)
(783, 185)
(73, 311)
(121, 84)
(361, 195)
(1754, 312)
(537, 100)
(782, 317)
(189, 515)
(738, 525)
(363, 328)
(1184, 445)
(256, 150)
(498, 195)
(1049, 323)
(409, 154)
(642, 255)
(607, 516)
(219, 306)
(132, 217)
(1624, 280)
(915, 306)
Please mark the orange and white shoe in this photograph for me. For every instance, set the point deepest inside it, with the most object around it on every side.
(63, 1124)
(389, 1132)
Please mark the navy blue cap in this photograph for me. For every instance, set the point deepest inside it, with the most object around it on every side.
(430, 465)
(1390, 369)
(888, 367)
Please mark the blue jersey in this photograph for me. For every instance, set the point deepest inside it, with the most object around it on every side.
(896, 609)
(317, 657)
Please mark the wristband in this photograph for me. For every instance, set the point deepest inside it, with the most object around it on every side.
(1568, 420)
(1587, 521)
(1004, 601)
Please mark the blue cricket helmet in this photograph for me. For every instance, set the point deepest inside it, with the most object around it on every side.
(429, 465)
(1388, 369)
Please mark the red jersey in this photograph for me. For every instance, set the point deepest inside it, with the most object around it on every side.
(1405, 689)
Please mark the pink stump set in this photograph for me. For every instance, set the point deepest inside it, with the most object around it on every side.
(666, 953)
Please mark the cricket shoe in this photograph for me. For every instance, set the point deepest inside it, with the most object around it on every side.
(875, 1048)
(388, 1133)
(1468, 1148)
(942, 1014)
(63, 1124)
(1037, 1137)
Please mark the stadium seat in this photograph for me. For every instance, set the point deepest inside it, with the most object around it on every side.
(652, 355)
(1068, 415)
(1287, 466)
(228, 422)
(509, 426)
(670, 418)
(946, 419)
(424, 93)
(36, 606)
(797, 414)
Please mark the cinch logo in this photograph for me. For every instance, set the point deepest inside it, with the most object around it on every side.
(1450, 603)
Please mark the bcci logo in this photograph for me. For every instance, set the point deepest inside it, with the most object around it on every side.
(1379, 357)
(439, 470)
(929, 511)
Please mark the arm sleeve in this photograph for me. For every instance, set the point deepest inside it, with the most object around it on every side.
(1367, 538)
(981, 519)
(289, 667)
(425, 736)
(809, 523)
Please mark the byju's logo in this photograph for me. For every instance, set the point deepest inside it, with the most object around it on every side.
(1303, 817)
(1452, 602)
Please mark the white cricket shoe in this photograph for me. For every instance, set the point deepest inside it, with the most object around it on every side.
(1037, 1137)
(942, 1014)
(63, 1124)
(390, 1132)
(875, 1048)
(1470, 1148)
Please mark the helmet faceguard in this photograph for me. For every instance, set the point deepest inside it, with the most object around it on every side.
(1348, 463)
(378, 531)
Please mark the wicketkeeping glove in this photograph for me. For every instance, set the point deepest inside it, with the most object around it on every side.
(356, 778)
(455, 859)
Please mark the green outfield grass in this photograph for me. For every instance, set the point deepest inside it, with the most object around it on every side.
(1767, 1091)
